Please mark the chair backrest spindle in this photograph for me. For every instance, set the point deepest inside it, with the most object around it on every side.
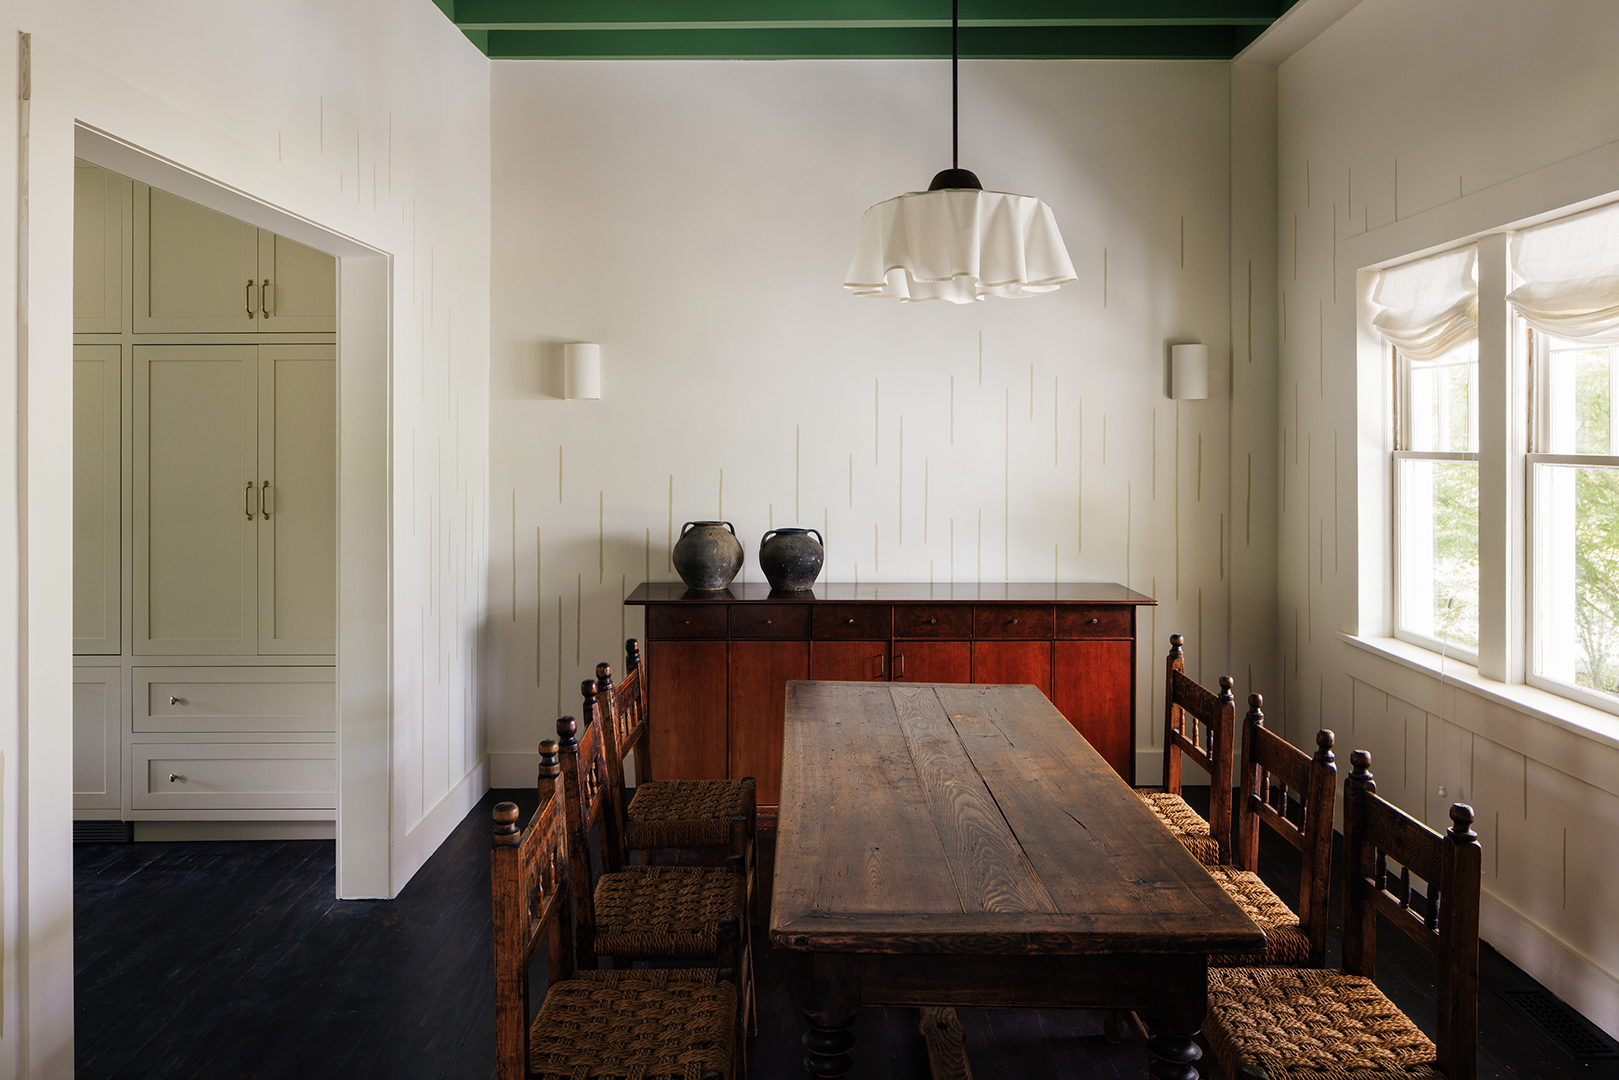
(1209, 744)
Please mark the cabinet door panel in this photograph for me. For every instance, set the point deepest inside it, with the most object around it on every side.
(1013, 663)
(97, 499)
(1093, 680)
(298, 511)
(759, 674)
(99, 206)
(302, 293)
(933, 661)
(687, 723)
(195, 269)
(98, 740)
(849, 661)
(196, 554)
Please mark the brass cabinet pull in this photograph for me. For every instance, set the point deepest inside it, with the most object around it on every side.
(264, 500)
(175, 701)
(900, 674)
(249, 298)
(933, 620)
(176, 778)
(264, 294)
(882, 664)
(1095, 621)
(851, 622)
(245, 494)
(1014, 622)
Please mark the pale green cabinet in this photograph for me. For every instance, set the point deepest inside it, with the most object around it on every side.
(97, 499)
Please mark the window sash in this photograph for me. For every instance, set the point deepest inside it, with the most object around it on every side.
(1550, 634)
(1403, 585)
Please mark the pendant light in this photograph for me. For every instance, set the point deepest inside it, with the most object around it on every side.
(955, 241)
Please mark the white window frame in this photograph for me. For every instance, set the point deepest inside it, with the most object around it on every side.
(1402, 392)
(1539, 409)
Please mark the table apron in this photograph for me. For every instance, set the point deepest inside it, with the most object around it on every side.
(1173, 987)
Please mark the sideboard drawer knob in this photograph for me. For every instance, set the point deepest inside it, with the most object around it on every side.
(1095, 621)
(851, 622)
(933, 620)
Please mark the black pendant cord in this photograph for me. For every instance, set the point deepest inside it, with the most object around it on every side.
(955, 176)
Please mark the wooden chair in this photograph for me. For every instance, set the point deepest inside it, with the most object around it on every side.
(1268, 1022)
(1294, 794)
(642, 912)
(670, 813)
(657, 1024)
(1208, 745)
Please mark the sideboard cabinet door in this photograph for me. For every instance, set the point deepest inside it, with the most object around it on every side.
(933, 661)
(688, 687)
(760, 671)
(1013, 662)
(1093, 691)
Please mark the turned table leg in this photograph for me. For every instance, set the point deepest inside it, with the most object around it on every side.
(1174, 1055)
(831, 1000)
(1182, 1001)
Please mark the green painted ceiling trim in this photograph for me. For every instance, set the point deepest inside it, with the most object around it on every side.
(1010, 43)
(650, 14)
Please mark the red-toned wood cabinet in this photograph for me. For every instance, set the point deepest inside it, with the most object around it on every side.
(719, 663)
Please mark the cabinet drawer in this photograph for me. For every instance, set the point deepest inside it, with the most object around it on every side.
(852, 620)
(1096, 621)
(770, 621)
(686, 620)
(233, 776)
(1012, 620)
(238, 699)
(933, 621)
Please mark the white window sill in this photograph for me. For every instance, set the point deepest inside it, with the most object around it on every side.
(1594, 724)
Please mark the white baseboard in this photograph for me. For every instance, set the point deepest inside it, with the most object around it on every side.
(1556, 965)
(437, 824)
(172, 831)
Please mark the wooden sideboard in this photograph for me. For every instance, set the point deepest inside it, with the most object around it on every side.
(719, 662)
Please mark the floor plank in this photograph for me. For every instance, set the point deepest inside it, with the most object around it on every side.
(234, 959)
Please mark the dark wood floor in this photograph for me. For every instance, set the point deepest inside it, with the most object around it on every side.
(232, 959)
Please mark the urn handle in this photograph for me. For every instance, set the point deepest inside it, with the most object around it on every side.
(818, 537)
(687, 527)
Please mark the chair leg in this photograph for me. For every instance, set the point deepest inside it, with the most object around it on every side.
(1113, 1026)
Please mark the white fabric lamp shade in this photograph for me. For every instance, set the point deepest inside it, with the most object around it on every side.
(581, 371)
(960, 245)
(1188, 372)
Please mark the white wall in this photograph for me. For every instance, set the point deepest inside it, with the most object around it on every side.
(696, 219)
(369, 119)
(1406, 126)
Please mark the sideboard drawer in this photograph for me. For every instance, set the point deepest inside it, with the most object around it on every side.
(1099, 621)
(1012, 620)
(944, 621)
(852, 621)
(770, 621)
(686, 621)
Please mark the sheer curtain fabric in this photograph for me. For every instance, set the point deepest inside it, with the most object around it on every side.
(1570, 274)
(1429, 306)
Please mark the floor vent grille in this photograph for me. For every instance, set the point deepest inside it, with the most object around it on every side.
(103, 832)
(1573, 1033)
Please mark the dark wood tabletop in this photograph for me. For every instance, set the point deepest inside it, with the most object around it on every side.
(932, 822)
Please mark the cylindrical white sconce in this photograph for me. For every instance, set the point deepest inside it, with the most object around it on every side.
(581, 371)
(1188, 372)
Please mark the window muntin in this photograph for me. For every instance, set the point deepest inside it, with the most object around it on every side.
(1574, 515)
(1436, 580)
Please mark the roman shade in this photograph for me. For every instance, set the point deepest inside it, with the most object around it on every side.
(1429, 306)
(1570, 274)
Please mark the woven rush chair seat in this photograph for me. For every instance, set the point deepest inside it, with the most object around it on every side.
(685, 813)
(1285, 940)
(666, 911)
(636, 1025)
(1187, 824)
(1309, 1024)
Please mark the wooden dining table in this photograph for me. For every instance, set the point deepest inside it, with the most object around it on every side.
(962, 845)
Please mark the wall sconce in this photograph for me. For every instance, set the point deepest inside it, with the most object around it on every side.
(1188, 372)
(581, 371)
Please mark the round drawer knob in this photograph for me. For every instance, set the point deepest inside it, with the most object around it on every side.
(176, 701)
(769, 621)
(933, 620)
(851, 622)
(176, 778)
(1014, 622)
(1095, 621)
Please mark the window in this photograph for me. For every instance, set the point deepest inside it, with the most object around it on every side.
(1436, 501)
(1574, 509)
(1552, 454)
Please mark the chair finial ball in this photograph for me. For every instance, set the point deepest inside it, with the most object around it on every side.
(567, 727)
(588, 688)
(1227, 682)
(1256, 701)
(1325, 739)
(1462, 816)
(548, 747)
(604, 672)
(1360, 760)
(1176, 640)
(506, 813)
